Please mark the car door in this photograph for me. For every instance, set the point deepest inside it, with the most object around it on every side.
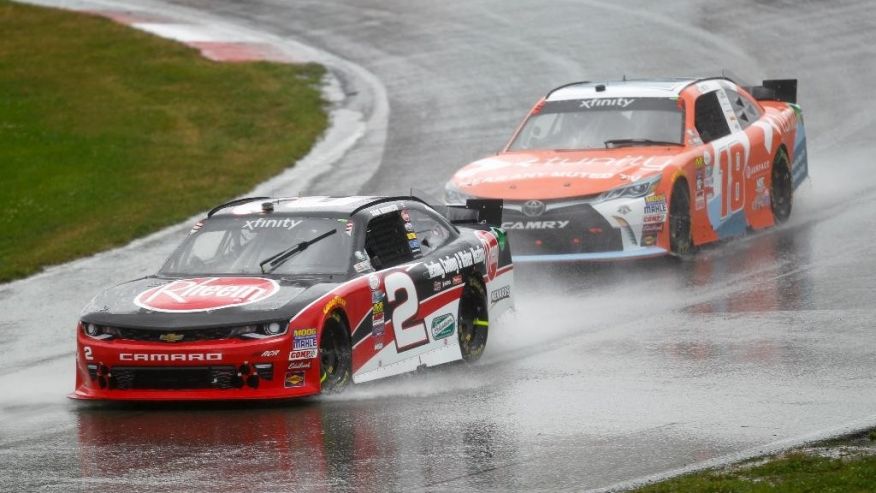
(720, 130)
(418, 322)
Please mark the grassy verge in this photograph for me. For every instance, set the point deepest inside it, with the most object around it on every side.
(845, 465)
(107, 133)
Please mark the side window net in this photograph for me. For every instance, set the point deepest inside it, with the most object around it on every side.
(386, 241)
(710, 121)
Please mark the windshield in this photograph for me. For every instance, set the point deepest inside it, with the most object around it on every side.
(602, 123)
(237, 245)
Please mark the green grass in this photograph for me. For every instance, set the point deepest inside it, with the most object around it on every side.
(798, 471)
(107, 133)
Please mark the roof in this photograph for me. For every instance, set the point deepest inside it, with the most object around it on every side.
(344, 206)
(640, 88)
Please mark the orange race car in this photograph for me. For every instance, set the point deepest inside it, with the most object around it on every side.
(638, 168)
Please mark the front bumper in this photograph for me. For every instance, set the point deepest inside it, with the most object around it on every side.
(644, 252)
(586, 230)
(232, 369)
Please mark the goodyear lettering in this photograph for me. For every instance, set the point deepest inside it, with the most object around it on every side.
(336, 302)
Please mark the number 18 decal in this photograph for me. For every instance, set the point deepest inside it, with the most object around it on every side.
(410, 332)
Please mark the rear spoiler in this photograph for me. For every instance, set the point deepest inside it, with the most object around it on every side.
(475, 211)
(776, 90)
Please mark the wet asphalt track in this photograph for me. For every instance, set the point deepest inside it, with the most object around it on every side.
(608, 373)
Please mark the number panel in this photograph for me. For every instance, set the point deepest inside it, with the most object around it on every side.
(409, 331)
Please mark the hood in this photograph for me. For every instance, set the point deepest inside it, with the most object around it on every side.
(193, 303)
(554, 175)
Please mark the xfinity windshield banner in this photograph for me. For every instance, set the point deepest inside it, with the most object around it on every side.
(611, 104)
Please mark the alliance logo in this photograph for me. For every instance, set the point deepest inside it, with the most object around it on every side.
(203, 294)
(443, 326)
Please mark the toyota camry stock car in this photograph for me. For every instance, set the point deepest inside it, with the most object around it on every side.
(278, 298)
(600, 171)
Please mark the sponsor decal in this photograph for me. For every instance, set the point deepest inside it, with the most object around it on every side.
(294, 378)
(457, 279)
(624, 209)
(655, 204)
(701, 187)
(412, 236)
(299, 355)
(443, 326)
(377, 325)
(373, 281)
(436, 286)
(500, 294)
(603, 102)
(757, 168)
(405, 216)
(649, 240)
(377, 347)
(537, 225)
(286, 223)
(170, 357)
(491, 252)
(653, 218)
(459, 260)
(414, 244)
(761, 195)
(304, 339)
(336, 302)
(409, 227)
(299, 365)
(652, 227)
(377, 211)
(376, 296)
(377, 309)
(171, 337)
(349, 228)
(204, 294)
(363, 266)
(271, 353)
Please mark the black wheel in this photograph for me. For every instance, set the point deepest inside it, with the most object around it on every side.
(781, 191)
(680, 240)
(335, 355)
(474, 322)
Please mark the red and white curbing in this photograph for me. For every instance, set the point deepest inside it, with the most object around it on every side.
(214, 43)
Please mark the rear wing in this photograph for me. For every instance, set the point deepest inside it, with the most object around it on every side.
(776, 90)
(475, 211)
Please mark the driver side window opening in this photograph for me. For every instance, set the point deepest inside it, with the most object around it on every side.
(709, 118)
(386, 241)
(431, 232)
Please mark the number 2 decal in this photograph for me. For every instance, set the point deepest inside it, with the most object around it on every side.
(409, 331)
(86, 351)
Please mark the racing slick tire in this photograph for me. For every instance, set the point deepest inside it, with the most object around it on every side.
(335, 355)
(680, 238)
(782, 189)
(473, 321)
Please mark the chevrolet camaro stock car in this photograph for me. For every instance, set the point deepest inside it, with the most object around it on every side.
(278, 298)
(638, 168)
